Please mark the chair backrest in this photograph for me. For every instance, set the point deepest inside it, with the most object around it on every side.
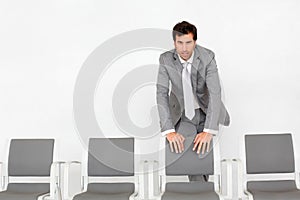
(188, 162)
(111, 157)
(269, 153)
(30, 157)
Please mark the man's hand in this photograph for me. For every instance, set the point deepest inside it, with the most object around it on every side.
(202, 140)
(176, 142)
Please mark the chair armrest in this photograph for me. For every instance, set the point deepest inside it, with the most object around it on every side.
(229, 184)
(140, 186)
(162, 183)
(155, 179)
(2, 177)
(73, 180)
(56, 179)
(297, 179)
(148, 187)
(241, 184)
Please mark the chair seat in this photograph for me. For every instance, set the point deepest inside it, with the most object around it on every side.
(105, 191)
(275, 190)
(24, 191)
(190, 191)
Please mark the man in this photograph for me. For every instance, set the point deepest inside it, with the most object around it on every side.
(195, 96)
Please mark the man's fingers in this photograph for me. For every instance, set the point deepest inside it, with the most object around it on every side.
(176, 145)
(199, 147)
(201, 143)
(181, 142)
(204, 147)
(171, 146)
(194, 147)
(196, 144)
(179, 145)
(182, 138)
(208, 145)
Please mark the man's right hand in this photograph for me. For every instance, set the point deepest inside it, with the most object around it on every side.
(176, 142)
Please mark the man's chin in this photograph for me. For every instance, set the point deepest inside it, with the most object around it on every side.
(185, 56)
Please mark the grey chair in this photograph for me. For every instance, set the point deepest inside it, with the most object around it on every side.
(28, 169)
(110, 170)
(190, 163)
(270, 168)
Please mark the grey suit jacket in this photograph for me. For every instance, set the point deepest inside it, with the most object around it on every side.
(205, 83)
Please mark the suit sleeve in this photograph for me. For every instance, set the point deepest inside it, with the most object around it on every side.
(214, 90)
(162, 96)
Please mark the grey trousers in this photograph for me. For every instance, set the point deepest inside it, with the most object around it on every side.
(187, 127)
(197, 121)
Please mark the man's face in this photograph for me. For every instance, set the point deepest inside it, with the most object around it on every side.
(185, 45)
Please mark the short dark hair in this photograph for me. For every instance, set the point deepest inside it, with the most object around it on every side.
(183, 28)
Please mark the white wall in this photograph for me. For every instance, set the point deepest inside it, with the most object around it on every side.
(44, 44)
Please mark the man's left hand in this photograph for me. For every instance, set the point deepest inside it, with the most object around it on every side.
(202, 140)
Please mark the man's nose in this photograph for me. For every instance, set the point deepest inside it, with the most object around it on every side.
(184, 47)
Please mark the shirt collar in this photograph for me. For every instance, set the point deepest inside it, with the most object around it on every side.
(190, 60)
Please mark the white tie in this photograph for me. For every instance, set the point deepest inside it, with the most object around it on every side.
(187, 92)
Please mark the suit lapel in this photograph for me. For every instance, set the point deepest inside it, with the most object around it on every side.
(177, 63)
(195, 68)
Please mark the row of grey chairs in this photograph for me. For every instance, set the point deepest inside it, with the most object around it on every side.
(32, 174)
(267, 172)
(118, 160)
